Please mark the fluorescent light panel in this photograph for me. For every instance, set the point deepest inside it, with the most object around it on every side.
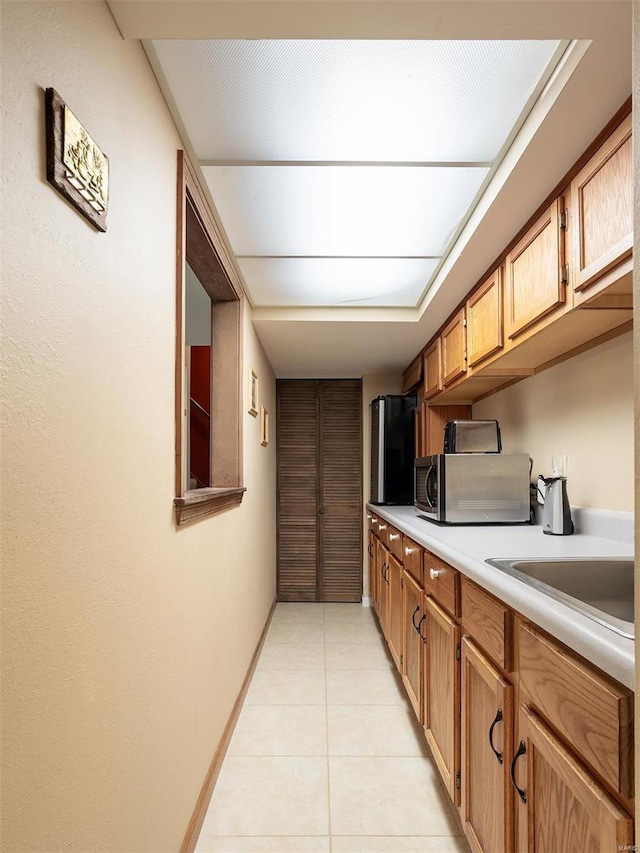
(351, 100)
(338, 210)
(336, 281)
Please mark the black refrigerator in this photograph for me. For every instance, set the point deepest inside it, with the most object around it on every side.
(392, 449)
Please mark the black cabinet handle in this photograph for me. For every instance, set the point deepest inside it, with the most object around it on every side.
(498, 718)
(371, 549)
(386, 574)
(521, 751)
(413, 618)
(383, 566)
(424, 639)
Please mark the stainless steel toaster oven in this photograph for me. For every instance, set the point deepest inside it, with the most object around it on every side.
(474, 488)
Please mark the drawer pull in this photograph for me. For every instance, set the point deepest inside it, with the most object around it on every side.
(408, 551)
(382, 526)
(521, 751)
(498, 718)
(434, 573)
(413, 618)
(394, 536)
(423, 638)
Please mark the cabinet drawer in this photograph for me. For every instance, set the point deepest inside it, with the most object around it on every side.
(394, 542)
(594, 715)
(442, 582)
(412, 559)
(372, 521)
(383, 531)
(488, 621)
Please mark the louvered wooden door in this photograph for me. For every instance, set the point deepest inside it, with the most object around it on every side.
(319, 444)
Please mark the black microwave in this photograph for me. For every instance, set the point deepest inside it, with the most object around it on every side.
(474, 488)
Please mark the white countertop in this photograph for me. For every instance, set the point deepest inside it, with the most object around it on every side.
(467, 547)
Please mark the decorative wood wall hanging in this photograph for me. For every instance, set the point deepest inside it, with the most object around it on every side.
(264, 426)
(76, 166)
(253, 392)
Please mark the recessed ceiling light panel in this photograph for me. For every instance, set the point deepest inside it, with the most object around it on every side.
(336, 281)
(338, 210)
(351, 100)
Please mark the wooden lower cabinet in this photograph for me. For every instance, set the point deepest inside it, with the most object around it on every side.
(561, 807)
(486, 740)
(442, 695)
(543, 766)
(372, 553)
(383, 588)
(414, 640)
(394, 588)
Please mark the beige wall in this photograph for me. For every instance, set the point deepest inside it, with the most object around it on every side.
(373, 385)
(125, 640)
(582, 407)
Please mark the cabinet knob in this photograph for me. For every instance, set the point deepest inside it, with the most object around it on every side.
(434, 573)
(394, 536)
(408, 551)
(382, 526)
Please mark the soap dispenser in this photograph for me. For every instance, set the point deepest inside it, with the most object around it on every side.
(556, 514)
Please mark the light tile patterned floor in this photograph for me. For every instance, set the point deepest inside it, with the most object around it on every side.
(327, 756)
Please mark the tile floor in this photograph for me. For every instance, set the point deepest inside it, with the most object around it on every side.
(326, 756)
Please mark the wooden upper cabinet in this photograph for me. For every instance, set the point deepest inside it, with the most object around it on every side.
(454, 349)
(536, 273)
(412, 376)
(485, 320)
(602, 209)
(562, 807)
(433, 369)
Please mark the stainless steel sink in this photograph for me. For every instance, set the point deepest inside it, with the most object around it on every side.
(600, 588)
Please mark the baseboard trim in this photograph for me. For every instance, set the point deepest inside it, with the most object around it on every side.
(197, 818)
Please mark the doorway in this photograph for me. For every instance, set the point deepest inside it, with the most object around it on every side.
(319, 492)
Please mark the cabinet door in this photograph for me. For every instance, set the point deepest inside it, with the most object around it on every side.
(602, 209)
(485, 320)
(394, 610)
(373, 574)
(562, 807)
(535, 272)
(413, 642)
(442, 707)
(487, 737)
(454, 349)
(433, 369)
(383, 587)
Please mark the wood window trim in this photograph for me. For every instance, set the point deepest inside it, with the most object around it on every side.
(222, 284)
(199, 503)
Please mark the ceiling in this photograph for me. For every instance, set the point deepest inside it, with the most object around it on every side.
(367, 167)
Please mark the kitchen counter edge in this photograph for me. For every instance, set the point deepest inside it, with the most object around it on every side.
(466, 547)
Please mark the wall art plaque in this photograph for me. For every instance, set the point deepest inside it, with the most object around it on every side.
(76, 166)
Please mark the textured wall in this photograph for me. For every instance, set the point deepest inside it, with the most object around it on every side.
(125, 640)
(582, 407)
